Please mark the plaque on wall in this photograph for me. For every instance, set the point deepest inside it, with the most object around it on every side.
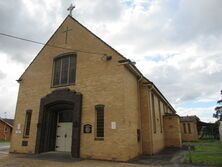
(87, 128)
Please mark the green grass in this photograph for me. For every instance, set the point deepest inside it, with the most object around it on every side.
(205, 158)
(3, 141)
(208, 153)
(210, 147)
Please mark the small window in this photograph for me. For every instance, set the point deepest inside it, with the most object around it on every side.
(64, 70)
(154, 114)
(164, 109)
(24, 143)
(27, 123)
(99, 121)
(184, 128)
(189, 128)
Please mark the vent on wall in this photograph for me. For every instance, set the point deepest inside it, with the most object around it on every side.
(24, 143)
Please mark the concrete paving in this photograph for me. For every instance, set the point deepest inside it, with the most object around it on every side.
(166, 158)
(22, 161)
(4, 147)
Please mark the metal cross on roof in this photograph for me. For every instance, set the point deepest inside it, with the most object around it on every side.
(70, 9)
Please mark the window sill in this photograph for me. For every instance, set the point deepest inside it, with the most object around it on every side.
(63, 85)
(99, 138)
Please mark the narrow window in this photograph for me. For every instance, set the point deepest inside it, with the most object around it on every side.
(64, 70)
(27, 123)
(164, 110)
(184, 128)
(57, 69)
(154, 114)
(72, 69)
(99, 121)
(189, 129)
(160, 116)
(168, 110)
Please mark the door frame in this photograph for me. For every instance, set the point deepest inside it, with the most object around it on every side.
(46, 130)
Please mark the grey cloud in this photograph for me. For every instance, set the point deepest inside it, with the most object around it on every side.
(187, 84)
(182, 23)
(100, 10)
(2, 75)
(17, 21)
(193, 19)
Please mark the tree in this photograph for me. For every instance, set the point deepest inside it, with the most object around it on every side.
(218, 109)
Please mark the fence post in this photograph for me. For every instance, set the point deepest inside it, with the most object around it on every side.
(190, 157)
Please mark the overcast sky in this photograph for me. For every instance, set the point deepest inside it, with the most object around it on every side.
(177, 44)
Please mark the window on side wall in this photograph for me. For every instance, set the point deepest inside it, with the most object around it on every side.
(27, 124)
(64, 70)
(160, 117)
(154, 113)
(189, 128)
(99, 122)
(184, 128)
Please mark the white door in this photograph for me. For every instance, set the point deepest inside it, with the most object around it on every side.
(64, 136)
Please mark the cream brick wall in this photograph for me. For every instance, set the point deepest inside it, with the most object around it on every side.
(154, 142)
(100, 82)
(193, 136)
(172, 131)
(147, 145)
(158, 137)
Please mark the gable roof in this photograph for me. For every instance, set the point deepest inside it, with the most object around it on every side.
(9, 122)
(193, 118)
(130, 66)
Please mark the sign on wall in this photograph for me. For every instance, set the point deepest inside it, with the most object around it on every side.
(18, 126)
(87, 128)
(113, 125)
(18, 130)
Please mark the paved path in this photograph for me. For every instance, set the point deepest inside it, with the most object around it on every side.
(167, 158)
(59, 160)
(4, 148)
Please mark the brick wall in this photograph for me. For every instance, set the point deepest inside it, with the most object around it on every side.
(172, 131)
(189, 135)
(5, 131)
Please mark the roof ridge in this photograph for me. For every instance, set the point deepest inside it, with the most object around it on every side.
(1, 119)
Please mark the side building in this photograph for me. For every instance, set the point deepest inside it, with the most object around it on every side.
(188, 126)
(6, 126)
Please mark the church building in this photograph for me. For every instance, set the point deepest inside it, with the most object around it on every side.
(81, 96)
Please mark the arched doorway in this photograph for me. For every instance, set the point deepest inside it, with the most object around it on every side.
(59, 122)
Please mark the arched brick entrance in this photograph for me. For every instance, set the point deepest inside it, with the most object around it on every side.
(50, 105)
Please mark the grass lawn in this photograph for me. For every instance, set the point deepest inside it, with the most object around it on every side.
(209, 153)
(3, 141)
